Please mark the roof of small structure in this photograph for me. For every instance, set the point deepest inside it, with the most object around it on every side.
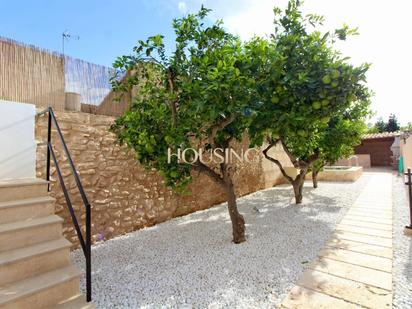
(382, 135)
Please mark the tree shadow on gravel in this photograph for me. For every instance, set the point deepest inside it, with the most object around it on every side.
(191, 260)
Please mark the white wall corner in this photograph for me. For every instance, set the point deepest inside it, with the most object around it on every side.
(17, 140)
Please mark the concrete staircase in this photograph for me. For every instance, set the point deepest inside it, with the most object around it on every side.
(35, 266)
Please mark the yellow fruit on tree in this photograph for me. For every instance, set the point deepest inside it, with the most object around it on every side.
(326, 79)
(316, 105)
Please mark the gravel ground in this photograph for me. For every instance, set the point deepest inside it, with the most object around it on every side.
(402, 264)
(190, 262)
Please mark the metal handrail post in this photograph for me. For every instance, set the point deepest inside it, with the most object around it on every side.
(88, 254)
(409, 184)
(48, 151)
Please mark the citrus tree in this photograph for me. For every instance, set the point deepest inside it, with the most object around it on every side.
(303, 84)
(343, 133)
(198, 96)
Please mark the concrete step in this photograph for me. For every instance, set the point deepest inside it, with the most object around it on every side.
(29, 208)
(29, 232)
(22, 263)
(43, 291)
(76, 302)
(18, 189)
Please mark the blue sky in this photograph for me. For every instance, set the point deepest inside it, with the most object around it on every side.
(109, 28)
(106, 28)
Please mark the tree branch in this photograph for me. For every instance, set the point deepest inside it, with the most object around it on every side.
(153, 59)
(265, 153)
(313, 157)
(220, 126)
(203, 168)
(301, 174)
(170, 79)
(309, 161)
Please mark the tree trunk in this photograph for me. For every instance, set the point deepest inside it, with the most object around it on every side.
(315, 178)
(238, 222)
(298, 186)
(297, 189)
(225, 180)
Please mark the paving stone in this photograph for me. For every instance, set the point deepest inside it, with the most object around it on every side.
(361, 259)
(355, 265)
(361, 247)
(348, 290)
(383, 196)
(368, 239)
(381, 201)
(364, 230)
(367, 214)
(361, 274)
(369, 219)
(372, 206)
(372, 210)
(302, 298)
(378, 226)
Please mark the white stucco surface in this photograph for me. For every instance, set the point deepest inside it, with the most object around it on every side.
(406, 151)
(17, 142)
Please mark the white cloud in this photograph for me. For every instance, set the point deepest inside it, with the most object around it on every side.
(383, 41)
(251, 18)
(182, 7)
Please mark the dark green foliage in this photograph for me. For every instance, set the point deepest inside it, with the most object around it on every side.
(381, 126)
(393, 124)
(305, 82)
(303, 85)
(197, 96)
(339, 139)
(201, 96)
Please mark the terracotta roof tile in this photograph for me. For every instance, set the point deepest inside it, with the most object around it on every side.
(382, 135)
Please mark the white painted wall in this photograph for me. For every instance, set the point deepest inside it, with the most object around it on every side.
(17, 141)
(406, 150)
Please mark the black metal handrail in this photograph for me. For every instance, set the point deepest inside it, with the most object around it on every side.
(85, 242)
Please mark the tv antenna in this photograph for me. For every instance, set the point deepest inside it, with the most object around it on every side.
(66, 36)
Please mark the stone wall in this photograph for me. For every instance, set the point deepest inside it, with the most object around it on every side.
(351, 173)
(124, 196)
(379, 150)
(363, 160)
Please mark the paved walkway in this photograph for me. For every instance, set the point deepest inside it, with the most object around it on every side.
(355, 267)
